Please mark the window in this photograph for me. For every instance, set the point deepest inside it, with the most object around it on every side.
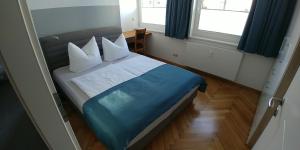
(217, 20)
(222, 20)
(153, 14)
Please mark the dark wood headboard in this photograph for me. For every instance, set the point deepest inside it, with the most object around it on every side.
(55, 47)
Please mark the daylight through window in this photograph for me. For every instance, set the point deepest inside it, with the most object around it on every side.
(153, 11)
(224, 16)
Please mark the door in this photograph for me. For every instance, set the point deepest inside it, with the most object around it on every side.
(16, 129)
(276, 101)
(282, 133)
(280, 76)
(26, 68)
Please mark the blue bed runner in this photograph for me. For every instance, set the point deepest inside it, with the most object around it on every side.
(120, 113)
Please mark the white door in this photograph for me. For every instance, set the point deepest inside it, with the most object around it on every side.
(277, 72)
(25, 65)
(282, 132)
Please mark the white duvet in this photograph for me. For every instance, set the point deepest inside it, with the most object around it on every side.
(100, 80)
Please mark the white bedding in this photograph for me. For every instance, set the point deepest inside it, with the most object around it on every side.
(64, 78)
(102, 79)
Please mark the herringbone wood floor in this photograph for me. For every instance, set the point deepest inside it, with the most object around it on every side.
(219, 119)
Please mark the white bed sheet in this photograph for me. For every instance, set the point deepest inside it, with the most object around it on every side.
(63, 77)
(102, 79)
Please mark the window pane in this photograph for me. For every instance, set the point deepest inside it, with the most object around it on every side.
(213, 4)
(147, 3)
(160, 3)
(229, 22)
(238, 5)
(154, 15)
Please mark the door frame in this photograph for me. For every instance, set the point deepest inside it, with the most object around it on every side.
(277, 99)
(26, 67)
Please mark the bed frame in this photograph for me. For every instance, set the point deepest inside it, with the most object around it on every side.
(55, 49)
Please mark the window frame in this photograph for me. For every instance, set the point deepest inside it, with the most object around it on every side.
(196, 33)
(149, 26)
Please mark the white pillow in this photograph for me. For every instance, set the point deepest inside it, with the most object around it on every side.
(113, 51)
(84, 58)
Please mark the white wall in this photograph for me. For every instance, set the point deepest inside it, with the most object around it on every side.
(128, 8)
(59, 16)
(253, 70)
(45, 4)
(293, 33)
(129, 15)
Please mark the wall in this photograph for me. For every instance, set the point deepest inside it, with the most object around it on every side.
(58, 16)
(46, 4)
(129, 15)
(253, 69)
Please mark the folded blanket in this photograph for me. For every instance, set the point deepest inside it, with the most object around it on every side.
(118, 114)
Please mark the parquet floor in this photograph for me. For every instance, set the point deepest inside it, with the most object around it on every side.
(219, 119)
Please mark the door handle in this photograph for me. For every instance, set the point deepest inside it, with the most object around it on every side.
(275, 101)
(274, 104)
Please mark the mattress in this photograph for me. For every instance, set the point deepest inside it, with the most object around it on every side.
(63, 78)
(105, 78)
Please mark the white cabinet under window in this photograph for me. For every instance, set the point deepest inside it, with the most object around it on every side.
(221, 62)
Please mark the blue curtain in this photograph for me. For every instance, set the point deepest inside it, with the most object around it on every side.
(266, 26)
(178, 18)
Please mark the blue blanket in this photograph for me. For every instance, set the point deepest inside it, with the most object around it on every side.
(120, 113)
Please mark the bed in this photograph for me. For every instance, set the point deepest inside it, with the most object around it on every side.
(129, 112)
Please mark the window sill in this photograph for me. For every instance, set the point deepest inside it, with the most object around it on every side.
(155, 31)
(214, 41)
(153, 27)
(195, 37)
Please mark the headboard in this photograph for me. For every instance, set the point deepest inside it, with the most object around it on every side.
(55, 47)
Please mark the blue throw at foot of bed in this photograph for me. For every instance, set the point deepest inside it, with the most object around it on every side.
(120, 113)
